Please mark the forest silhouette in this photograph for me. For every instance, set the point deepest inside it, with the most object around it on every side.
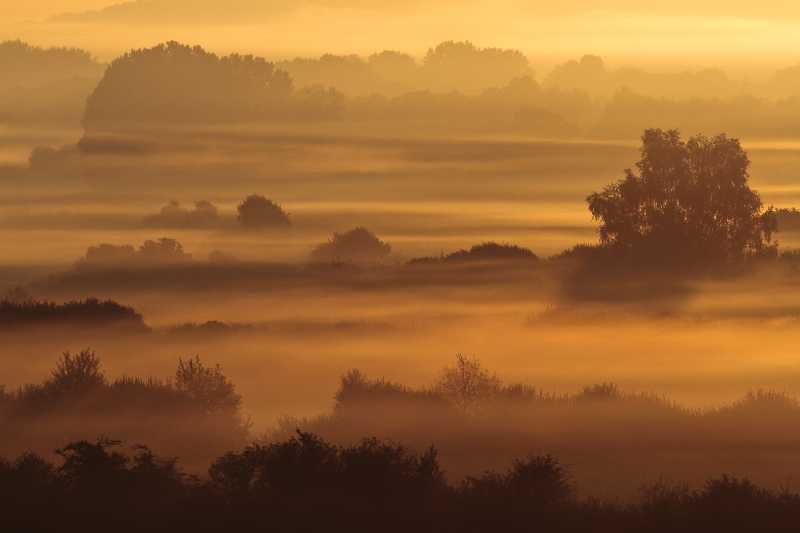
(578, 98)
(303, 480)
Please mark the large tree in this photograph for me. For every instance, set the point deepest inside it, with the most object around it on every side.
(686, 201)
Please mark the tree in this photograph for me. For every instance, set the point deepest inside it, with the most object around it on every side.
(359, 245)
(163, 250)
(207, 385)
(259, 212)
(687, 201)
(78, 372)
(468, 383)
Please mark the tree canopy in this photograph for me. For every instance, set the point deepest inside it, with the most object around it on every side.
(359, 245)
(686, 201)
(259, 212)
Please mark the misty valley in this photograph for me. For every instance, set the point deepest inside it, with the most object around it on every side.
(390, 293)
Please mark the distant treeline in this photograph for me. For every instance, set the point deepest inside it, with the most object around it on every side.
(443, 91)
(456, 86)
(45, 85)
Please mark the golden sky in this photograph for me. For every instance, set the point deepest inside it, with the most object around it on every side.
(736, 34)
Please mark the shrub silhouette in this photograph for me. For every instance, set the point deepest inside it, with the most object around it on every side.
(356, 390)
(358, 245)
(467, 384)
(305, 483)
(164, 251)
(108, 254)
(688, 202)
(173, 215)
(197, 415)
(77, 373)
(88, 313)
(529, 486)
(492, 251)
(486, 252)
(305, 476)
(257, 212)
(207, 386)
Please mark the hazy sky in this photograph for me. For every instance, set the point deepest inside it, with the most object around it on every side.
(736, 34)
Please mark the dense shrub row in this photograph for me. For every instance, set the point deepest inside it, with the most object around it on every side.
(307, 484)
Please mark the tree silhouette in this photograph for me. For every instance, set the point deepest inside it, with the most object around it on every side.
(468, 383)
(357, 245)
(257, 211)
(78, 372)
(687, 201)
(207, 385)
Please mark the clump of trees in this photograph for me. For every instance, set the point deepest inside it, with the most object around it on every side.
(195, 414)
(45, 85)
(258, 212)
(204, 214)
(686, 202)
(163, 251)
(194, 85)
(358, 245)
(446, 67)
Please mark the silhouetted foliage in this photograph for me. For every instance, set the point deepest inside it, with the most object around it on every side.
(207, 386)
(77, 373)
(447, 67)
(19, 60)
(486, 252)
(788, 219)
(197, 86)
(467, 384)
(88, 313)
(356, 390)
(203, 215)
(45, 85)
(451, 66)
(257, 212)
(163, 251)
(358, 245)
(305, 483)
(196, 415)
(688, 202)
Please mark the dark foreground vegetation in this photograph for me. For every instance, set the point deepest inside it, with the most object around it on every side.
(307, 484)
(614, 442)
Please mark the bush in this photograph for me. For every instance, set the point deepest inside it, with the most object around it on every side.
(197, 416)
(173, 215)
(358, 245)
